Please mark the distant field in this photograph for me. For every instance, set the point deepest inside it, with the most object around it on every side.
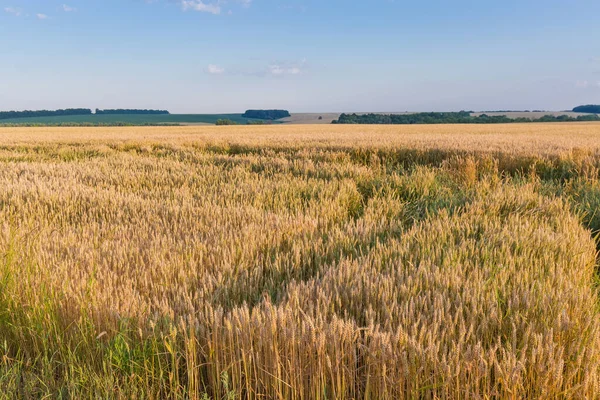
(310, 118)
(313, 118)
(211, 119)
(186, 119)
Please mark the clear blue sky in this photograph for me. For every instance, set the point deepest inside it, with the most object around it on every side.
(304, 55)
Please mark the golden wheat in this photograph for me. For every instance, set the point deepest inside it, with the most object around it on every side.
(308, 262)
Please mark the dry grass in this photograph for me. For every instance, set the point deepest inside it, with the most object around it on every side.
(307, 262)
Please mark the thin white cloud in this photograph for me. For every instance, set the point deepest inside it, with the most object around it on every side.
(14, 11)
(587, 84)
(276, 69)
(215, 70)
(282, 69)
(292, 7)
(199, 5)
(67, 8)
(41, 16)
(279, 70)
(209, 6)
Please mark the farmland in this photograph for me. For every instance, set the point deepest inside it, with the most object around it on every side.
(300, 262)
(130, 119)
(211, 119)
(326, 118)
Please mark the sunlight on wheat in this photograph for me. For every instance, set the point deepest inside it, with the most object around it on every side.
(300, 262)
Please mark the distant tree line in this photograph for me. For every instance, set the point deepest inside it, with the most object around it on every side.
(567, 118)
(72, 111)
(259, 122)
(85, 124)
(462, 117)
(225, 121)
(266, 114)
(511, 111)
(44, 113)
(130, 111)
(590, 108)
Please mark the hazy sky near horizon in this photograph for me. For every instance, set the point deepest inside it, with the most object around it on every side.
(192, 56)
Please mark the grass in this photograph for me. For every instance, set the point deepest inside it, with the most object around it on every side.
(131, 119)
(300, 262)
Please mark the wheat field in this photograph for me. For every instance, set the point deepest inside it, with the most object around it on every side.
(300, 262)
